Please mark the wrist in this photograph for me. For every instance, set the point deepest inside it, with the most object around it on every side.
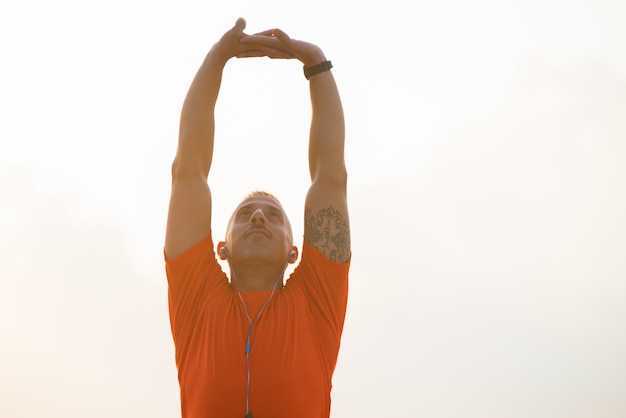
(313, 57)
(313, 70)
(217, 56)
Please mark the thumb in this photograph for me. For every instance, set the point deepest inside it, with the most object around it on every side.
(240, 24)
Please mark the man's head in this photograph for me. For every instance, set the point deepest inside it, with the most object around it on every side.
(259, 231)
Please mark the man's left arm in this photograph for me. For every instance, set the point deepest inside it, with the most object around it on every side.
(326, 223)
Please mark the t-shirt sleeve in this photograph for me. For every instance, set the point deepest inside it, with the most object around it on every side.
(326, 285)
(192, 277)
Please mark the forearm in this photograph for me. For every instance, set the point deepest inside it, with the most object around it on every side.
(326, 140)
(326, 143)
(197, 123)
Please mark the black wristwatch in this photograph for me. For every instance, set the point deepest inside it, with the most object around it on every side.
(317, 68)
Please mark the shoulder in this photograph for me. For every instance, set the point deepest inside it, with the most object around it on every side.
(317, 271)
(193, 265)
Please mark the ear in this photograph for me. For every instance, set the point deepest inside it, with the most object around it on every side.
(293, 254)
(222, 251)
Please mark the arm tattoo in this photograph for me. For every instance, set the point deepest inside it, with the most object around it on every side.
(329, 232)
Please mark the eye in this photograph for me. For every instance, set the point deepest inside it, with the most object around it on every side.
(244, 213)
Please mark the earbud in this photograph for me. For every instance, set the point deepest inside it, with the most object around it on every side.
(224, 252)
(292, 253)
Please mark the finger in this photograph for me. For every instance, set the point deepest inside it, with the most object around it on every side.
(240, 24)
(267, 37)
(277, 33)
(249, 54)
(276, 52)
(267, 32)
(265, 52)
(258, 38)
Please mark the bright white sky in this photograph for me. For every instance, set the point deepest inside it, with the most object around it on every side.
(486, 144)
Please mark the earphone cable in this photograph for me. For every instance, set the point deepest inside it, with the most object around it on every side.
(248, 347)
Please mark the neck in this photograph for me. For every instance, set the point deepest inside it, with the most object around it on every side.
(253, 278)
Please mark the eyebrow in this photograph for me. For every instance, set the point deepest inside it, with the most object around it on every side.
(264, 206)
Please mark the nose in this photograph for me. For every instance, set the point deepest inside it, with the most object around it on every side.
(258, 217)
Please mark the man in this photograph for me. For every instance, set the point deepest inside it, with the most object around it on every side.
(252, 344)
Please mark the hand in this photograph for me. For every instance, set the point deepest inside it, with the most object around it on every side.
(274, 43)
(230, 45)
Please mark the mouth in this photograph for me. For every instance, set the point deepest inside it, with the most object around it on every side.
(262, 231)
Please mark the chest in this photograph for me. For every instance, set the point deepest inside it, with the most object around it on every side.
(286, 367)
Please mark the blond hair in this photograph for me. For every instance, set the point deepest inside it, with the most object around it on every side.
(262, 193)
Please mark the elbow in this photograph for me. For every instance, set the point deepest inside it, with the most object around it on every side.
(177, 167)
(344, 180)
(341, 176)
(182, 169)
(337, 177)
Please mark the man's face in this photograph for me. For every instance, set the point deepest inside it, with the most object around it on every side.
(259, 230)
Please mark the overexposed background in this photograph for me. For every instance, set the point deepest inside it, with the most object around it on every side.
(486, 144)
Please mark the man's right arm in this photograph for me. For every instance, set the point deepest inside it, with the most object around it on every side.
(189, 215)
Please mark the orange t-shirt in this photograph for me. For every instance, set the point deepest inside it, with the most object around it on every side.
(295, 342)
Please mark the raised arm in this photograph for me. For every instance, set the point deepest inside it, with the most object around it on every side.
(189, 216)
(326, 224)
